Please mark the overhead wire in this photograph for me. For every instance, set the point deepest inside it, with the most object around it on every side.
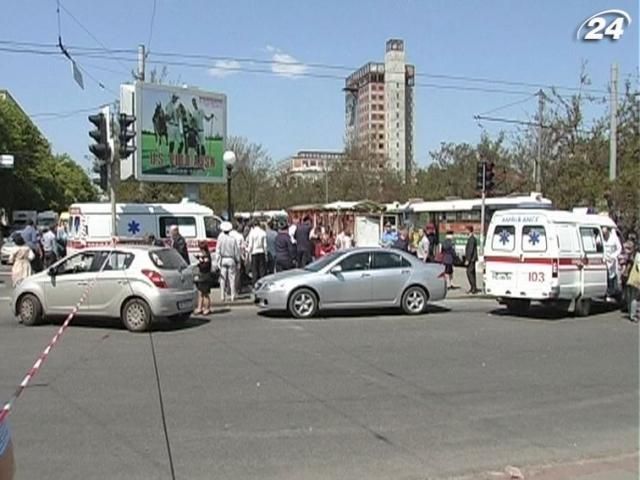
(89, 51)
(90, 33)
(69, 113)
(508, 105)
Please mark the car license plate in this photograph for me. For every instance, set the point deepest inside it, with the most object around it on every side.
(501, 276)
(185, 305)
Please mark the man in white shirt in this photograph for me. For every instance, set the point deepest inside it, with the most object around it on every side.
(228, 256)
(257, 249)
(49, 247)
(242, 246)
(612, 250)
(344, 240)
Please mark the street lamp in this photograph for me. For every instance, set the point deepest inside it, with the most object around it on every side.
(229, 159)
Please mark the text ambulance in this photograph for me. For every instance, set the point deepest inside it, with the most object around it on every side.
(90, 224)
(550, 256)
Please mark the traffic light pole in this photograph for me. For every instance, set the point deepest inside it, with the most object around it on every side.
(115, 157)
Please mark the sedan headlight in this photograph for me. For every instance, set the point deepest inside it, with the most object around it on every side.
(268, 286)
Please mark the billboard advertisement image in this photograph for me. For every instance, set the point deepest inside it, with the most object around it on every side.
(181, 134)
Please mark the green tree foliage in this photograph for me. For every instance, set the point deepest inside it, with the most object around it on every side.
(39, 180)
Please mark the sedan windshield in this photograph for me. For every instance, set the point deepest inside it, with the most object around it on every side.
(323, 262)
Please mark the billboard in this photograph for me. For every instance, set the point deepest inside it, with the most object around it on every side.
(180, 133)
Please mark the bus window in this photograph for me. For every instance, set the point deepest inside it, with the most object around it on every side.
(470, 216)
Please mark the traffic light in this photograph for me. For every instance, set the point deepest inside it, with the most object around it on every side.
(480, 176)
(100, 149)
(102, 169)
(126, 135)
(489, 176)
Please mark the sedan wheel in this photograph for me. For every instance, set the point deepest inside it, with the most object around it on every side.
(136, 315)
(414, 301)
(29, 310)
(303, 303)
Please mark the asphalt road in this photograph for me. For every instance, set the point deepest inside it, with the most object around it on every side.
(462, 389)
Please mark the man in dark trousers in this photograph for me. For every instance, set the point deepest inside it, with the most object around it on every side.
(303, 242)
(285, 250)
(471, 257)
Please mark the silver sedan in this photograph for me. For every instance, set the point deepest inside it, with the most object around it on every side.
(355, 278)
(135, 284)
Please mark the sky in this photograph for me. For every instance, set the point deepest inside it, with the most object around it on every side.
(525, 41)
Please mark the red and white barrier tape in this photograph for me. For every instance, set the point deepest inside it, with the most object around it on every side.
(6, 409)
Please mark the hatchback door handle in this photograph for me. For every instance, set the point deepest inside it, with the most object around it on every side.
(404, 272)
(364, 275)
(82, 284)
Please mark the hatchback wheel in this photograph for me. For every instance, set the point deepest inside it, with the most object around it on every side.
(29, 310)
(136, 315)
(414, 301)
(303, 303)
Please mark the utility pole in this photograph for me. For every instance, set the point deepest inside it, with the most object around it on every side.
(483, 206)
(613, 129)
(141, 61)
(537, 173)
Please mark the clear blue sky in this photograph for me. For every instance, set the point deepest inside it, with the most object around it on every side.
(525, 41)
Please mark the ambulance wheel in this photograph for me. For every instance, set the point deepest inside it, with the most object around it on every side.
(518, 306)
(583, 307)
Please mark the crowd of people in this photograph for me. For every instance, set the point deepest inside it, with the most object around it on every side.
(37, 249)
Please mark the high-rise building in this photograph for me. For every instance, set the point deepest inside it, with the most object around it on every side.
(379, 108)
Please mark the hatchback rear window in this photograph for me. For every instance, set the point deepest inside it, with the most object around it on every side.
(167, 259)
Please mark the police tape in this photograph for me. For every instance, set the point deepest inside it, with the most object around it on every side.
(33, 371)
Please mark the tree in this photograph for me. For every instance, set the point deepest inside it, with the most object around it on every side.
(252, 182)
(39, 180)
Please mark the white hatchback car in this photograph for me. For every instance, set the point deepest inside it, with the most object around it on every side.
(135, 284)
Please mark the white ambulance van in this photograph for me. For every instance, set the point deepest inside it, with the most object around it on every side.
(90, 224)
(550, 256)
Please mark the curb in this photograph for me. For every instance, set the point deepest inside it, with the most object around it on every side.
(468, 296)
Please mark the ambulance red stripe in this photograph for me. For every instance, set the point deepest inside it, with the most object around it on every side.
(544, 261)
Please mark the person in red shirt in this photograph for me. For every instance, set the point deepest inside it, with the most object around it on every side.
(325, 246)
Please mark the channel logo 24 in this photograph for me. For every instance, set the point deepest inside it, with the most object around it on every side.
(608, 23)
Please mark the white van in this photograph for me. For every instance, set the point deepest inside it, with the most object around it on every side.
(550, 256)
(90, 224)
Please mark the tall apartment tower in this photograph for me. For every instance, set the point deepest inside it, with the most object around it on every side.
(379, 107)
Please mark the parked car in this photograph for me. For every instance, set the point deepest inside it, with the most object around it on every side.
(8, 247)
(136, 284)
(355, 278)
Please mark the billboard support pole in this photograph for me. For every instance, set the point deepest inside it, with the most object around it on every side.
(192, 191)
